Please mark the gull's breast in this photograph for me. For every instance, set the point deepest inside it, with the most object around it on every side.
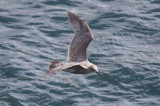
(77, 70)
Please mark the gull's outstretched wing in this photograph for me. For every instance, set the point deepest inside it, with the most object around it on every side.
(64, 66)
(83, 36)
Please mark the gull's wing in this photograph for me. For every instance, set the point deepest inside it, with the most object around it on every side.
(83, 36)
(65, 66)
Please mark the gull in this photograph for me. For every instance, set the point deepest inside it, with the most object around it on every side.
(77, 58)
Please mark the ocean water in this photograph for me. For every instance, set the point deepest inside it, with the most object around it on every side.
(126, 49)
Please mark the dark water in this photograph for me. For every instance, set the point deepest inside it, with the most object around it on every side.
(126, 48)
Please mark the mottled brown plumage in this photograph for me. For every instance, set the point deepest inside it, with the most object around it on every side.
(77, 58)
(82, 37)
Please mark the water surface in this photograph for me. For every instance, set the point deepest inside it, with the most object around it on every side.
(126, 49)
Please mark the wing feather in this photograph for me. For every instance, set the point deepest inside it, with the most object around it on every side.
(83, 36)
(63, 67)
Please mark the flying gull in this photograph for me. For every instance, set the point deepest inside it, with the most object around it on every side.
(77, 59)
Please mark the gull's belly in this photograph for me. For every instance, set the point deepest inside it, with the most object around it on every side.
(77, 70)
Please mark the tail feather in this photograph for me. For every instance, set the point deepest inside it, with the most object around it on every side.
(53, 65)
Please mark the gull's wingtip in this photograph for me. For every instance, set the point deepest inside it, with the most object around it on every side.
(69, 13)
(42, 75)
(47, 73)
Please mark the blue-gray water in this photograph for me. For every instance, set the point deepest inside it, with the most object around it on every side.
(126, 49)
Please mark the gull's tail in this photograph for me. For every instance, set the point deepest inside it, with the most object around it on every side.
(53, 65)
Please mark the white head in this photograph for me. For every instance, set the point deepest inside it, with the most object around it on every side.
(94, 68)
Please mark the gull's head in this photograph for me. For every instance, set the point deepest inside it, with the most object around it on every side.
(94, 68)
